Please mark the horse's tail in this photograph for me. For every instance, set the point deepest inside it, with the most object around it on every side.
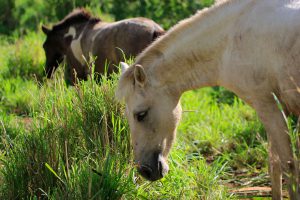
(158, 31)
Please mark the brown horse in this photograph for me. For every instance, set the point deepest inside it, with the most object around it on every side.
(251, 47)
(80, 35)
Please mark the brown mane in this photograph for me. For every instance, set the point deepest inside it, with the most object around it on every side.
(79, 15)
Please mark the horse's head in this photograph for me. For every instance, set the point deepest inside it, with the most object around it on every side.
(55, 48)
(153, 115)
(61, 35)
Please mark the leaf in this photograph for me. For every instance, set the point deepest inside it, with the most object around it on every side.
(53, 172)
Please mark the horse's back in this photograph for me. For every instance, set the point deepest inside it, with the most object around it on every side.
(264, 49)
(130, 35)
(110, 42)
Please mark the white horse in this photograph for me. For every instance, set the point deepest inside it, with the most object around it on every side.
(251, 47)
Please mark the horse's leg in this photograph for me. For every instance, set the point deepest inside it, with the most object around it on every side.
(280, 146)
(298, 154)
(275, 172)
(69, 77)
(99, 68)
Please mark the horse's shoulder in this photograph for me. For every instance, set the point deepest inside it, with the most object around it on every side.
(100, 25)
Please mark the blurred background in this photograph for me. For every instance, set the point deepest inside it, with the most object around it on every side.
(23, 15)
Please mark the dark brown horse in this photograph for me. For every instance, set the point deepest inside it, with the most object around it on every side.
(80, 35)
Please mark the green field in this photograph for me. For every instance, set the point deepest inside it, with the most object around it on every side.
(59, 142)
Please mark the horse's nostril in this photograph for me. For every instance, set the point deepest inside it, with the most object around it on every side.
(146, 171)
(160, 169)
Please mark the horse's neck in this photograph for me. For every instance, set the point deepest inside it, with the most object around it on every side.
(75, 51)
(83, 35)
(89, 33)
(74, 30)
(190, 55)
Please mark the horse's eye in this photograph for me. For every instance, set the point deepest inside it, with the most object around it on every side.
(141, 116)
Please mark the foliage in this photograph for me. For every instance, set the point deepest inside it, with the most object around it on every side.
(23, 15)
(166, 13)
(221, 95)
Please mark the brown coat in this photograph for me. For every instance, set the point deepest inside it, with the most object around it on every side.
(79, 36)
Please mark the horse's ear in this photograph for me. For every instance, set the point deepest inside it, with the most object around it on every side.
(140, 75)
(46, 30)
(124, 67)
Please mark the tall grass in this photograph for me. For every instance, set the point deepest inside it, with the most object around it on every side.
(18, 96)
(81, 134)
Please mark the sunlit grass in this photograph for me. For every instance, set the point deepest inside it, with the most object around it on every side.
(24, 58)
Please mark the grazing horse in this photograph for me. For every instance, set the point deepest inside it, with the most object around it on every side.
(79, 34)
(250, 47)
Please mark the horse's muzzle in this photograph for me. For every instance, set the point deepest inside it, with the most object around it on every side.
(156, 170)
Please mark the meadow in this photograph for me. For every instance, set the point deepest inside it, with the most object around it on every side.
(60, 142)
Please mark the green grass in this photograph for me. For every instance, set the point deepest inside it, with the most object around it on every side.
(23, 57)
(64, 142)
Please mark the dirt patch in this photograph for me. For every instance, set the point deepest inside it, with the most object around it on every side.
(247, 186)
(251, 192)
